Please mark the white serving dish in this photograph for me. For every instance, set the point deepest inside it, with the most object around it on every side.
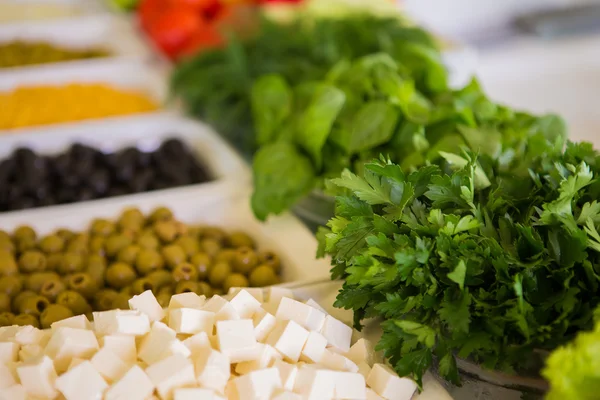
(285, 234)
(105, 32)
(225, 166)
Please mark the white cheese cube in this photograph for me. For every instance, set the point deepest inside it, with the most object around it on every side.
(152, 346)
(371, 395)
(231, 392)
(186, 300)
(337, 333)
(308, 317)
(244, 304)
(362, 351)
(81, 383)
(121, 345)
(176, 346)
(194, 394)
(314, 347)
(31, 335)
(432, 390)
(315, 384)
(337, 362)
(267, 355)
(264, 323)
(349, 385)
(29, 351)
(8, 375)
(386, 383)
(146, 303)
(275, 294)
(236, 340)
(197, 344)
(314, 304)
(66, 343)
(191, 321)
(287, 373)
(257, 293)
(124, 322)
(15, 392)
(364, 369)
(109, 365)
(222, 309)
(38, 377)
(134, 385)
(171, 373)
(77, 322)
(7, 333)
(75, 362)
(288, 338)
(9, 352)
(212, 370)
(286, 395)
(258, 385)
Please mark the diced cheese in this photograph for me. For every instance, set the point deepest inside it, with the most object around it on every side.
(288, 338)
(222, 309)
(362, 351)
(146, 303)
(66, 343)
(349, 385)
(191, 321)
(314, 304)
(286, 395)
(176, 346)
(8, 375)
(9, 352)
(231, 392)
(337, 333)
(306, 316)
(15, 392)
(134, 385)
(187, 300)
(77, 322)
(197, 344)
(313, 348)
(257, 293)
(29, 351)
(337, 362)
(75, 362)
(364, 369)
(109, 365)
(212, 370)
(384, 381)
(267, 355)
(287, 373)
(236, 340)
(264, 323)
(244, 304)
(152, 346)
(194, 394)
(171, 373)
(121, 345)
(314, 384)
(258, 385)
(28, 334)
(124, 322)
(275, 294)
(38, 377)
(81, 383)
(371, 395)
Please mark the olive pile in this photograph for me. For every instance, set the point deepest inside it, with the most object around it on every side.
(83, 173)
(46, 279)
(19, 53)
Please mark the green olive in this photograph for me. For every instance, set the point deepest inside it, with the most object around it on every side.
(114, 243)
(240, 239)
(263, 275)
(195, 231)
(4, 235)
(161, 214)
(271, 259)
(202, 263)
(79, 244)
(245, 260)
(218, 291)
(34, 305)
(119, 275)
(35, 281)
(104, 299)
(20, 298)
(52, 244)
(97, 245)
(102, 227)
(167, 290)
(84, 284)
(225, 255)
(6, 318)
(74, 301)
(148, 260)
(71, 263)
(214, 233)
(173, 255)
(160, 278)
(54, 313)
(141, 285)
(32, 261)
(24, 232)
(128, 254)
(218, 273)
(53, 261)
(26, 319)
(186, 286)
(210, 247)
(189, 245)
(4, 302)
(235, 280)
(11, 285)
(148, 241)
(96, 268)
(204, 289)
(162, 298)
(166, 230)
(52, 288)
(26, 244)
(132, 219)
(65, 234)
(120, 302)
(126, 291)
(7, 245)
(8, 264)
(185, 272)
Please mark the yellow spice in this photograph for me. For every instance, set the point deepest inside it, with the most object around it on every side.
(41, 105)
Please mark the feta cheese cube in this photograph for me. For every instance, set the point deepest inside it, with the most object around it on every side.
(287, 373)
(288, 338)
(231, 392)
(77, 322)
(187, 300)
(314, 384)
(371, 395)
(7, 333)
(267, 355)
(337, 362)
(286, 395)
(191, 321)
(9, 352)
(314, 304)
(27, 335)
(75, 362)
(152, 346)
(275, 294)
(257, 293)
(314, 347)
(222, 309)
(81, 383)
(171, 373)
(197, 344)
(66, 343)
(364, 369)
(258, 385)
(134, 385)
(308, 317)
(38, 377)
(349, 385)
(362, 351)
(146, 303)
(109, 365)
(29, 351)
(15, 392)
(212, 370)
(236, 340)
(194, 394)
(8, 375)
(337, 333)
(386, 383)
(124, 322)
(264, 323)
(121, 345)
(244, 304)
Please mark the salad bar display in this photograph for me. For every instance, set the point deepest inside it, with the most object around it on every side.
(456, 243)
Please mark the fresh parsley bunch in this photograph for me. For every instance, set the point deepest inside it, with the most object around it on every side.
(484, 257)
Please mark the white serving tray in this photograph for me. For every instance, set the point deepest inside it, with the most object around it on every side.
(225, 166)
(103, 31)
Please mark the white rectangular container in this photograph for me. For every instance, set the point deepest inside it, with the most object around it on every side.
(225, 166)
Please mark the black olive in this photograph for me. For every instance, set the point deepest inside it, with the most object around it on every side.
(117, 191)
(24, 155)
(65, 195)
(85, 194)
(172, 148)
(99, 180)
(6, 170)
(144, 159)
(61, 164)
(81, 152)
(71, 179)
(141, 181)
